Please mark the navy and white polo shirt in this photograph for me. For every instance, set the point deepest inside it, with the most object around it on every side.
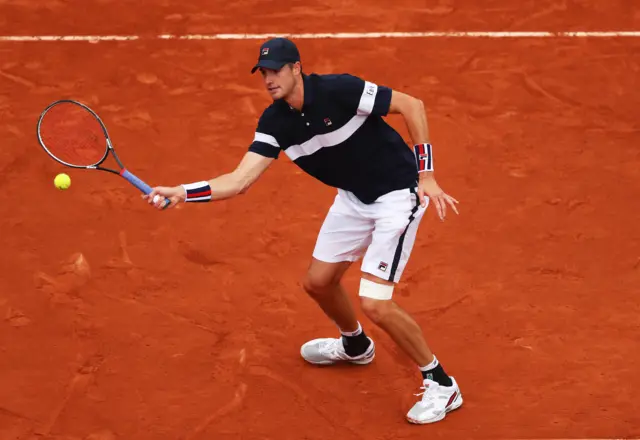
(339, 137)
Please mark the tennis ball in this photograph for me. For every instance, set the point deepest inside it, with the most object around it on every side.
(62, 181)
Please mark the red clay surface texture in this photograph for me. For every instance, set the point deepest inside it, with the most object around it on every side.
(121, 322)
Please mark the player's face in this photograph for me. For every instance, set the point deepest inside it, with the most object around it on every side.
(280, 83)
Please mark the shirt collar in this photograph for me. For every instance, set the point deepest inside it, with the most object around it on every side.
(309, 92)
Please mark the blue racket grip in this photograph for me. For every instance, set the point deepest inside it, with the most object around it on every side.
(138, 183)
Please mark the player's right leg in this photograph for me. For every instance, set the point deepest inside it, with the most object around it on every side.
(343, 238)
(322, 283)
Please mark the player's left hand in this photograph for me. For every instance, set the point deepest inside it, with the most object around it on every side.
(428, 187)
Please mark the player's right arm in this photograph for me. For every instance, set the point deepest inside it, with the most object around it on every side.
(222, 187)
(263, 151)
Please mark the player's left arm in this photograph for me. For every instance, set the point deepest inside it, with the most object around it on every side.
(415, 116)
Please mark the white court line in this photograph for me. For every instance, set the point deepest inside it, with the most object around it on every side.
(338, 35)
(452, 34)
(89, 38)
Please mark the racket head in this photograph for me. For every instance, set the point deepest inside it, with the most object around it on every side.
(73, 134)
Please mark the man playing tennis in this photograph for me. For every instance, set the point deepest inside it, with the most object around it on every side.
(331, 126)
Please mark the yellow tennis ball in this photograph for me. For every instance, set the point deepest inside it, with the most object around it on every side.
(62, 181)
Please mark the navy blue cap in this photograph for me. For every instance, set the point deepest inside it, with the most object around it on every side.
(275, 53)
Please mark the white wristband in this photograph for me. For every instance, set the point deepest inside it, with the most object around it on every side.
(424, 158)
(197, 192)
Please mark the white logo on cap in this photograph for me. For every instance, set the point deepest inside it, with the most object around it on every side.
(265, 51)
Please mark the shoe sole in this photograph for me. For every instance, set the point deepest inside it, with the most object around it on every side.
(455, 405)
(364, 361)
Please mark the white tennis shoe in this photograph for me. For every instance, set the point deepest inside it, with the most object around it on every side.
(327, 351)
(436, 402)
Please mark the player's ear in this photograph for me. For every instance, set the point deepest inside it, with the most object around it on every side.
(297, 68)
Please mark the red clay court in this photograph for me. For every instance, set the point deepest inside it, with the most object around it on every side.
(121, 322)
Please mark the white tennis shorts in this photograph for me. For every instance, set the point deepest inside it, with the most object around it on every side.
(383, 232)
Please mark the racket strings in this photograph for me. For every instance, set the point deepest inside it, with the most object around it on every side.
(73, 135)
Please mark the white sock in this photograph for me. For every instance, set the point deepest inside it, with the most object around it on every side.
(431, 366)
(354, 333)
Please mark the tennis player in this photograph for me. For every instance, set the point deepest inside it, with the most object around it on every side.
(332, 127)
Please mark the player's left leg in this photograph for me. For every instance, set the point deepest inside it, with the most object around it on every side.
(441, 392)
(395, 321)
(397, 218)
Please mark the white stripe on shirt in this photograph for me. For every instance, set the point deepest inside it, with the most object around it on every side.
(267, 139)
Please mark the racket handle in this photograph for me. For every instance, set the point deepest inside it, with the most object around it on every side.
(138, 183)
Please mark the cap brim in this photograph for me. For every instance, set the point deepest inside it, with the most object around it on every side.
(269, 64)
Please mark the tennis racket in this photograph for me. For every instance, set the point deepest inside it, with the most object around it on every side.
(73, 135)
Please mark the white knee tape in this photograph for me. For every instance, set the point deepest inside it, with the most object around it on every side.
(373, 290)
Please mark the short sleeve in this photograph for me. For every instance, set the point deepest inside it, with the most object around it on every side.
(360, 96)
(265, 142)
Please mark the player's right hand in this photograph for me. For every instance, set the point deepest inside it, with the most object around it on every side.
(159, 194)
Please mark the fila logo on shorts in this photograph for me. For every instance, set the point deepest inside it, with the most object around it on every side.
(382, 266)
